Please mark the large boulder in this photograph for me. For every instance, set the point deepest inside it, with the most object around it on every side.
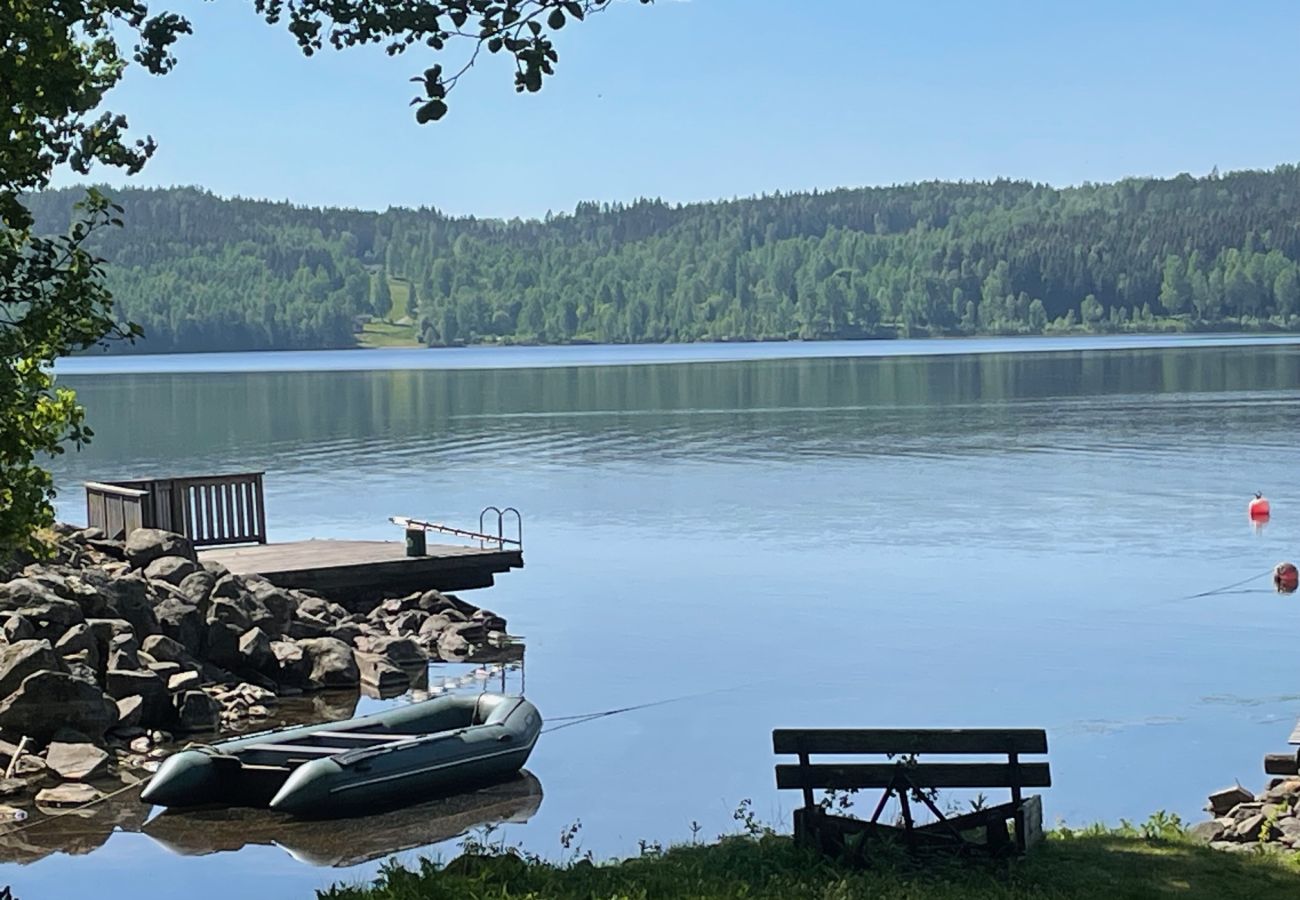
(197, 587)
(228, 611)
(23, 658)
(378, 671)
(182, 622)
(223, 644)
(166, 649)
(76, 762)
(255, 651)
(129, 597)
(17, 628)
(292, 667)
(144, 545)
(78, 639)
(171, 569)
(196, 711)
(398, 650)
(332, 663)
(155, 702)
(407, 623)
(105, 630)
(452, 645)
(22, 592)
(279, 604)
(80, 705)
(52, 614)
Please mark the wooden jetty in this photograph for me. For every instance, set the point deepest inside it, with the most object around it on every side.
(225, 517)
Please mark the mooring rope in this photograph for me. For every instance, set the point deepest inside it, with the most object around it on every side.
(69, 811)
(1228, 587)
(582, 718)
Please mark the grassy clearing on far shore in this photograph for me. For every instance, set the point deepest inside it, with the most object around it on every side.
(1116, 864)
(384, 334)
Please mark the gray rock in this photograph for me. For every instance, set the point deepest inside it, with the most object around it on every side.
(197, 587)
(407, 623)
(155, 711)
(379, 672)
(452, 645)
(395, 605)
(13, 787)
(144, 545)
(1207, 832)
(183, 623)
(348, 632)
(396, 649)
(54, 612)
(105, 630)
(228, 611)
(184, 681)
(255, 650)
(171, 569)
(1285, 789)
(80, 705)
(217, 569)
(1222, 802)
(196, 711)
(78, 666)
(1248, 829)
(166, 649)
(18, 628)
(304, 626)
(77, 639)
(130, 711)
(322, 609)
(1233, 847)
(130, 599)
(280, 604)
(76, 762)
(165, 670)
(292, 665)
(23, 658)
(22, 592)
(68, 795)
(332, 663)
(1246, 810)
(223, 644)
(432, 601)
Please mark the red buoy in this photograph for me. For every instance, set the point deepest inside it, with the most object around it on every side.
(1258, 508)
(1286, 578)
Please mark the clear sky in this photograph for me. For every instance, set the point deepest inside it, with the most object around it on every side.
(706, 99)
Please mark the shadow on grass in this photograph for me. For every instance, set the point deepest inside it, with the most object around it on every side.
(1108, 866)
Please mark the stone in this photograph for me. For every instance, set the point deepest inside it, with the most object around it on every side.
(258, 711)
(127, 662)
(322, 609)
(76, 762)
(1286, 789)
(397, 649)
(79, 638)
(144, 545)
(223, 644)
(395, 605)
(1246, 810)
(406, 623)
(1248, 829)
(18, 628)
(156, 705)
(305, 626)
(432, 601)
(130, 711)
(68, 795)
(167, 649)
(131, 601)
(197, 587)
(78, 666)
(292, 665)
(1233, 847)
(348, 632)
(80, 705)
(255, 649)
(183, 681)
(54, 612)
(1222, 802)
(184, 623)
(171, 569)
(380, 672)
(164, 670)
(433, 626)
(452, 645)
(105, 630)
(22, 592)
(23, 658)
(332, 662)
(12, 787)
(280, 604)
(1288, 826)
(196, 711)
(228, 611)
(1207, 832)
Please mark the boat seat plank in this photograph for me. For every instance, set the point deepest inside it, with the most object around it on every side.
(361, 736)
(298, 748)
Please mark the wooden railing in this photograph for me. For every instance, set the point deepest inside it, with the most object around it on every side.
(115, 510)
(209, 510)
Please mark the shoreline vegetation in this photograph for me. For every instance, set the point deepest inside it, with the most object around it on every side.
(1158, 858)
(1215, 253)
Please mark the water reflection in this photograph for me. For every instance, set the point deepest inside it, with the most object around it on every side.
(359, 840)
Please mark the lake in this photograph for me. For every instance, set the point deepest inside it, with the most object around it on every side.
(977, 533)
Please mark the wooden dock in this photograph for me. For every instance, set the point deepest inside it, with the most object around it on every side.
(353, 569)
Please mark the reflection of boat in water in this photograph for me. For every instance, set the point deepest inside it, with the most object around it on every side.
(393, 756)
(353, 841)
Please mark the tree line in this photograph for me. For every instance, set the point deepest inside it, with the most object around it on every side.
(939, 258)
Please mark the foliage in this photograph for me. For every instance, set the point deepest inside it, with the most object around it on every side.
(58, 60)
(758, 863)
(1005, 257)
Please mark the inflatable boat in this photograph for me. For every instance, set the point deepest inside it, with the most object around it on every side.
(398, 756)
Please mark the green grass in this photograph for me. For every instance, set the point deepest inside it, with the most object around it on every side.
(1117, 864)
(384, 334)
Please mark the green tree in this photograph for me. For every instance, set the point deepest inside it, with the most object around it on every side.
(381, 296)
(1175, 289)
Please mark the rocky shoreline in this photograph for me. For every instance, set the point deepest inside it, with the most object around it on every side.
(1244, 822)
(109, 650)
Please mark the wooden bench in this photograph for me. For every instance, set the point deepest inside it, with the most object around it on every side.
(910, 780)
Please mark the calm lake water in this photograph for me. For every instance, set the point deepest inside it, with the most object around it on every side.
(991, 538)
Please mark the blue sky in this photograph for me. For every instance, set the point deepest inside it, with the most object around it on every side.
(705, 99)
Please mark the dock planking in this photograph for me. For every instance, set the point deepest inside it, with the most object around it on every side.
(353, 569)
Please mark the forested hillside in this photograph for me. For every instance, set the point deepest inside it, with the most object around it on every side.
(203, 273)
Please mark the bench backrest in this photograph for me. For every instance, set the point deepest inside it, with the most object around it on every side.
(1012, 743)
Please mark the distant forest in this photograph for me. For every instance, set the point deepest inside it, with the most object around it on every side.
(203, 273)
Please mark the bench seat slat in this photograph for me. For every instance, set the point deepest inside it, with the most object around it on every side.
(301, 749)
(901, 741)
(936, 775)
